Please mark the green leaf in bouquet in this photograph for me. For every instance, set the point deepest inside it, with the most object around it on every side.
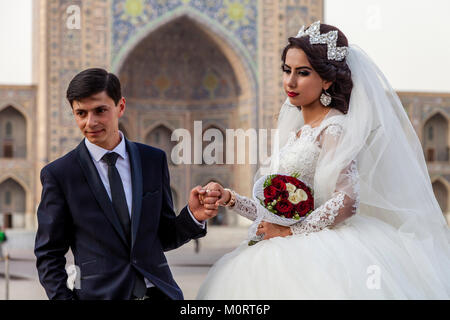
(268, 181)
(296, 175)
(261, 202)
(252, 242)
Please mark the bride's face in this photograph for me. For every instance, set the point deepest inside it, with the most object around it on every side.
(301, 83)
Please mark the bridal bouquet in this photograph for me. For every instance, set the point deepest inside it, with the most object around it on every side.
(286, 196)
(283, 200)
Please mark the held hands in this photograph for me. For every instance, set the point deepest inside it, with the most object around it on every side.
(200, 212)
(209, 200)
(204, 201)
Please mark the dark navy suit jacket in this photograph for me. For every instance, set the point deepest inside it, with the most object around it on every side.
(75, 212)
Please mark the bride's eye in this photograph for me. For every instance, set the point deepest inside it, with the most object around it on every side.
(303, 73)
(286, 70)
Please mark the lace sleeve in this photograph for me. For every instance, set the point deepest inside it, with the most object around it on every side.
(344, 201)
(245, 207)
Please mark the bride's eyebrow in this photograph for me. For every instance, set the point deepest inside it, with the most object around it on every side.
(299, 68)
(303, 67)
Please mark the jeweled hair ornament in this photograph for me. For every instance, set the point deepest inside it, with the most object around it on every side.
(330, 39)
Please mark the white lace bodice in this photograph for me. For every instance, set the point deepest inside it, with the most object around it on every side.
(300, 154)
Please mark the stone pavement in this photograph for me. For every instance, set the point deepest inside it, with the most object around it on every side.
(188, 267)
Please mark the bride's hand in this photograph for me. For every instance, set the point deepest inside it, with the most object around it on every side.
(214, 202)
(271, 230)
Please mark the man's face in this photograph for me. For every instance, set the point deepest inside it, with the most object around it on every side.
(98, 119)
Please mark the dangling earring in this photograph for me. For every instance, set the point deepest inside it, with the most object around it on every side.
(325, 98)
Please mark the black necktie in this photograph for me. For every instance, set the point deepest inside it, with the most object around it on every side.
(119, 202)
(118, 198)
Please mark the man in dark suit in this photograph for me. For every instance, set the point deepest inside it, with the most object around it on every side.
(109, 201)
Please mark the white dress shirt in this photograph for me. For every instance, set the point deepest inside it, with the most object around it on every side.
(123, 166)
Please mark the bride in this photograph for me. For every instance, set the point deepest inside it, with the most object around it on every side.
(377, 231)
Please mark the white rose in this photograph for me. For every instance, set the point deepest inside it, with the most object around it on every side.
(303, 195)
(290, 187)
(298, 196)
(294, 198)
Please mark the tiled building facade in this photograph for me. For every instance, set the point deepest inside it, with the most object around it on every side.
(179, 61)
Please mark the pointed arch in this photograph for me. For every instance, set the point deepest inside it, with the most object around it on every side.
(13, 132)
(220, 35)
(16, 106)
(441, 189)
(160, 137)
(436, 137)
(244, 67)
(436, 112)
(13, 200)
(16, 179)
(157, 124)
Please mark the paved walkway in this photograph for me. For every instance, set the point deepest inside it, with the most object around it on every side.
(188, 267)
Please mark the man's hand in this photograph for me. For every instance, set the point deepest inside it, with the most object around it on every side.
(199, 209)
(209, 199)
(271, 230)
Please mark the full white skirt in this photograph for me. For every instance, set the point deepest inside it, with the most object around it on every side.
(363, 258)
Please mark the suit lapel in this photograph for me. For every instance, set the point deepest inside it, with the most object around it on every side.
(98, 189)
(136, 181)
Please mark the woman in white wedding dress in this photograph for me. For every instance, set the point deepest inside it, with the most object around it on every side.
(377, 231)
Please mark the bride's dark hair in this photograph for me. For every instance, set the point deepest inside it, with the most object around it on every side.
(336, 71)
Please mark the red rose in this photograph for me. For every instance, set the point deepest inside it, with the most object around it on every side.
(284, 194)
(270, 193)
(289, 214)
(284, 206)
(310, 201)
(297, 183)
(303, 208)
(292, 180)
(303, 186)
(278, 184)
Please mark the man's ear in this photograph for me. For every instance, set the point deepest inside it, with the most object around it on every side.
(122, 105)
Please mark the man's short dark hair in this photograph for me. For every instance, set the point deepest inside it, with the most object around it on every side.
(93, 81)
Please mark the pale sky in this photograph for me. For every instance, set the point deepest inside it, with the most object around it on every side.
(408, 39)
(16, 43)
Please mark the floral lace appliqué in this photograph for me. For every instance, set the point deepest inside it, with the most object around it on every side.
(322, 217)
(300, 155)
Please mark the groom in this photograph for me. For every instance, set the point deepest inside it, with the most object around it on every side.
(109, 201)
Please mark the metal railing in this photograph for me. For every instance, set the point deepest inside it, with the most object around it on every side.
(5, 258)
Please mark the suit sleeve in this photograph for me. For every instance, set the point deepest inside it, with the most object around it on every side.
(174, 231)
(53, 238)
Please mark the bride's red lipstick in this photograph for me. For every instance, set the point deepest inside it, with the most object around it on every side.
(292, 94)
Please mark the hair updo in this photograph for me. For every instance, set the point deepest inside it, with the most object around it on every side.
(331, 70)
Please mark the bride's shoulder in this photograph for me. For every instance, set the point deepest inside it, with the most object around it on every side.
(334, 123)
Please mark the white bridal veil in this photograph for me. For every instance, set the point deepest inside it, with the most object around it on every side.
(395, 186)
